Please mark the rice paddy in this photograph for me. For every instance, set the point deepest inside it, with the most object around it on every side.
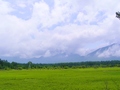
(61, 79)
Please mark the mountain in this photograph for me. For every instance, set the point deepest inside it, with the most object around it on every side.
(100, 50)
(59, 58)
(110, 52)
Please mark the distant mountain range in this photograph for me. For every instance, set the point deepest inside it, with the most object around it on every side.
(110, 52)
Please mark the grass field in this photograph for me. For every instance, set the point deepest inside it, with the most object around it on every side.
(61, 79)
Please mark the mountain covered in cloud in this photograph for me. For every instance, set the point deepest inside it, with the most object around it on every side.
(110, 52)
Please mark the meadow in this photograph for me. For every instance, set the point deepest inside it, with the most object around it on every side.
(61, 79)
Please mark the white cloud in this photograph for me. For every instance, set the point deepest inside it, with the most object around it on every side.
(5, 8)
(66, 27)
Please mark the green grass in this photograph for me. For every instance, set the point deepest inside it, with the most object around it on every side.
(61, 79)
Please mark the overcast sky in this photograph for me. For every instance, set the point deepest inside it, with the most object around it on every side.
(35, 28)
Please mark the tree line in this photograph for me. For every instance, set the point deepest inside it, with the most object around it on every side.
(5, 65)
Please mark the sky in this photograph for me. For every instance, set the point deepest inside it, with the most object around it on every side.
(44, 28)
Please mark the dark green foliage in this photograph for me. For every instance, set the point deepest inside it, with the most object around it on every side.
(4, 64)
(118, 15)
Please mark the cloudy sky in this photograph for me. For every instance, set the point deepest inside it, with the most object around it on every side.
(35, 28)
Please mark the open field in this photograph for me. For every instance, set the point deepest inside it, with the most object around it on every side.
(61, 79)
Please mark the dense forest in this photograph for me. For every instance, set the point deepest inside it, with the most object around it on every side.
(5, 65)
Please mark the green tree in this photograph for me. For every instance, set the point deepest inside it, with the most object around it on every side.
(14, 65)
